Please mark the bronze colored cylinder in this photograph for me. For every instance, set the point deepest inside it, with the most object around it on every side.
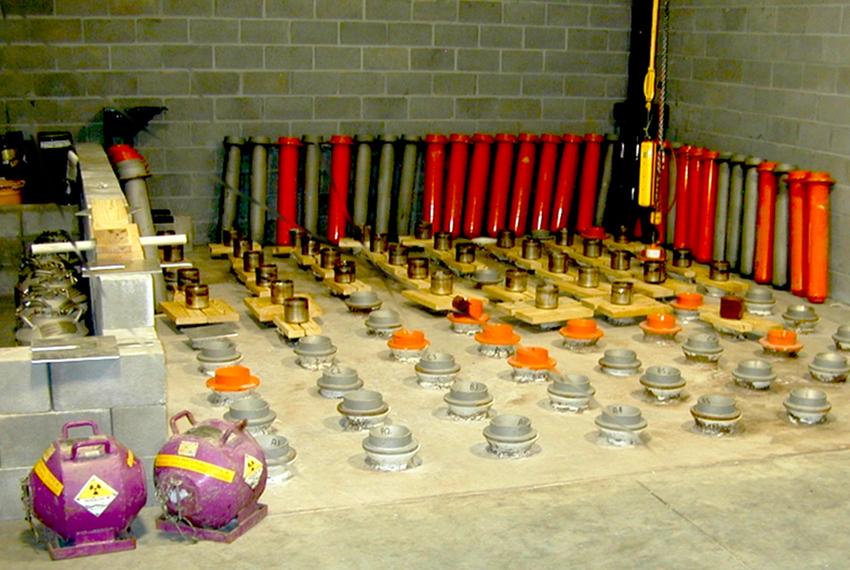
(378, 244)
(296, 310)
(682, 257)
(197, 296)
(546, 297)
(328, 257)
(281, 290)
(309, 247)
(563, 237)
(417, 268)
(505, 239)
(465, 252)
(620, 260)
(443, 241)
(719, 271)
(731, 307)
(531, 248)
(654, 272)
(397, 254)
(592, 247)
(172, 253)
(170, 277)
(442, 282)
(251, 260)
(295, 236)
(621, 293)
(557, 262)
(622, 235)
(588, 277)
(240, 246)
(423, 230)
(345, 271)
(264, 274)
(229, 236)
(188, 276)
(516, 280)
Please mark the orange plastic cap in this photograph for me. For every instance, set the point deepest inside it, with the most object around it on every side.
(594, 232)
(688, 301)
(797, 175)
(408, 340)
(550, 138)
(822, 177)
(581, 329)
(233, 379)
(781, 340)
(767, 166)
(660, 323)
(532, 358)
(570, 138)
(475, 314)
(594, 138)
(499, 334)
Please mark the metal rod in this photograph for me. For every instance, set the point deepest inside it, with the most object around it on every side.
(386, 168)
(362, 178)
(312, 163)
(232, 169)
(406, 184)
(259, 188)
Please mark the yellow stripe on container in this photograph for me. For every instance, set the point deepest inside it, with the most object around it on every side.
(46, 476)
(196, 465)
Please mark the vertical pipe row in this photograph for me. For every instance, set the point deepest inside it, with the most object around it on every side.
(232, 169)
(707, 204)
(259, 187)
(455, 183)
(476, 192)
(735, 210)
(501, 183)
(521, 194)
(432, 192)
(798, 231)
(765, 222)
(721, 212)
(312, 163)
(287, 188)
(748, 224)
(818, 185)
(545, 181)
(386, 169)
(338, 192)
(779, 276)
(362, 180)
(406, 184)
(589, 179)
(566, 183)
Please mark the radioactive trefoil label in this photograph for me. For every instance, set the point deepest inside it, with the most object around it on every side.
(252, 471)
(96, 495)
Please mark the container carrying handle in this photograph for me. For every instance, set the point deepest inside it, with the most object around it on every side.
(238, 426)
(79, 423)
(104, 443)
(178, 416)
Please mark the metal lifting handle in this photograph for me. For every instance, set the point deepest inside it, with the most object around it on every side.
(104, 443)
(95, 430)
(239, 426)
(178, 416)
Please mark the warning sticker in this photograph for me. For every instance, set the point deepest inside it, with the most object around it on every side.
(96, 495)
(253, 471)
(188, 448)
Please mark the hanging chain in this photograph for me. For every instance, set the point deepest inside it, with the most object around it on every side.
(662, 101)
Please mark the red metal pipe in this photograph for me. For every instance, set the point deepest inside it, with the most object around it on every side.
(476, 191)
(456, 183)
(338, 192)
(545, 181)
(287, 188)
(818, 185)
(664, 193)
(501, 183)
(683, 201)
(765, 223)
(694, 194)
(798, 231)
(589, 180)
(432, 192)
(521, 194)
(566, 184)
(706, 207)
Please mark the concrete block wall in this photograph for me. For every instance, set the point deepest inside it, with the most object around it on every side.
(771, 79)
(278, 67)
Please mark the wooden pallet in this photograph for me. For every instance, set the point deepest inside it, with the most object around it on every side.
(321, 273)
(410, 241)
(733, 286)
(242, 276)
(526, 312)
(345, 289)
(634, 247)
(293, 332)
(514, 256)
(282, 250)
(498, 253)
(447, 258)
(218, 250)
(680, 286)
(305, 261)
(217, 312)
(641, 306)
(262, 309)
(650, 289)
(435, 303)
(749, 325)
(397, 272)
(499, 293)
(567, 285)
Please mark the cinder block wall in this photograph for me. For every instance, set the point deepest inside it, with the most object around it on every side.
(278, 67)
(771, 79)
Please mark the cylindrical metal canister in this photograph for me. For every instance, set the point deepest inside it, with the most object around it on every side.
(706, 207)
(750, 213)
(417, 268)
(259, 187)
(500, 184)
(516, 280)
(281, 289)
(197, 296)
(432, 191)
(296, 310)
(588, 277)
(531, 248)
(546, 297)
(620, 260)
(397, 254)
(240, 246)
(188, 276)
(345, 271)
(442, 282)
(654, 271)
(765, 223)
(455, 183)
(780, 223)
(818, 185)
(591, 247)
(621, 293)
(379, 243)
(264, 274)
(798, 230)
(476, 191)
(232, 169)
(589, 180)
(566, 183)
(386, 171)
(362, 179)
(683, 202)
(443, 241)
(338, 191)
(735, 212)
(312, 164)
(542, 204)
(328, 257)
(557, 262)
(287, 188)
(407, 181)
(695, 190)
(465, 252)
(682, 257)
(506, 239)
(424, 230)
(719, 271)
(229, 236)
(521, 193)
(564, 237)
(251, 260)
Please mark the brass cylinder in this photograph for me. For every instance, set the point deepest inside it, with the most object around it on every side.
(417, 268)
(296, 310)
(563, 237)
(620, 260)
(546, 297)
(423, 230)
(188, 276)
(505, 239)
(719, 271)
(172, 253)
(170, 278)
(397, 254)
(240, 246)
(229, 236)
(309, 247)
(465, 252)
(295, 236)
(621, 293)
(588, 277)
(345, 271)
(516, 280)
(251, 260)
(622, 235)
(557, 262)
(591, 247)
(682, 257)
(281, 290)
(442, 282)
(443, 241)
(264, 274)
(654, 271)
(328, 257)
(197, 296)
(378, 244)
(531, 248)
(366, 235)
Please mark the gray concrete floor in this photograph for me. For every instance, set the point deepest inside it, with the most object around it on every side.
(772, 497)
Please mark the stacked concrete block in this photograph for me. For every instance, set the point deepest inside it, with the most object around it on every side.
(24, 386)
(112, 312)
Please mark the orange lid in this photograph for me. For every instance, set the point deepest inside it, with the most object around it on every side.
(660, 323)
(459, 138)
(710, 154)
(232, 379)
(798, 174)
(436, 138)
(475, 313)
(594, 138)
(823, 177)
(527, 137)
(781, 340)
(482, 138)
(767, 166)
(533, 358)
(696, 151)
(687, 301)
(500, 334)
(581, 329)
(550, 138)
(593, 232)
(408, 340)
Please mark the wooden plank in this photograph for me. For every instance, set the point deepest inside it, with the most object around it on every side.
(109, 213)
(305, 261)
(410, 241)
(118, 244)
(217, 312)
(528, 313)
(499, 293)
(262, 308)
(218, 250)
(293, 332)
(640, 307)
(345, 289)
(321, 273)
(650, 289)
(733, 286)
(749, 324)
(634, 247)
(435, 303)
(568, 286)
(282, 250)
(679, 286)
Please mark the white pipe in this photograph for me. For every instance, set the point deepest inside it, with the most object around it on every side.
(90, 244)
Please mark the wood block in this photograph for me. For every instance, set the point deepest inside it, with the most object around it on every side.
(569, 287)
(118, 244)
(410, 241)
(262, 309)
(218, 251)
(345, 289)
(293, 332)
(320, 273)
(526, 312)
(750, 324)
(109, 213)
(634, 247)
(733, 286)
(435, 303)
(282, 250)
(304, 261)
(217, 312)
(650, 289)
(499, 293)
(640, 307)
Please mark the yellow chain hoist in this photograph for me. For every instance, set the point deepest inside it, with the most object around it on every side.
(647, 191)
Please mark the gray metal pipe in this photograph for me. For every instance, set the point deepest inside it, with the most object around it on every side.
(259, 188)
(748, 223)
(232, 169)
(780, 228)
(312, 162)
(722, 209)
(406, 183)
(362, 179)
(672, 177)
(736, 204)
(386, 169)
(605, 184)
